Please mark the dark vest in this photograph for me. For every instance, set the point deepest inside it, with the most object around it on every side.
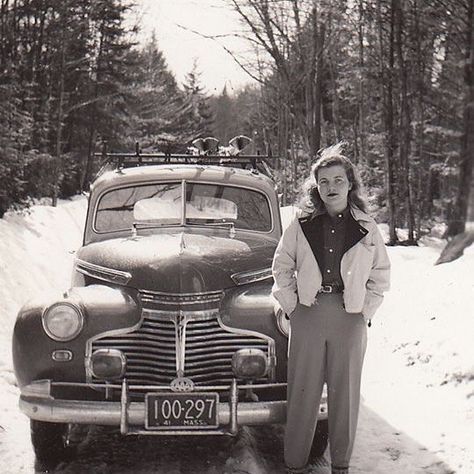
(312, 227)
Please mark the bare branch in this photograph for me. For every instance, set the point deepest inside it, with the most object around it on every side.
(226, 49)
(271, 48)
(88, 102)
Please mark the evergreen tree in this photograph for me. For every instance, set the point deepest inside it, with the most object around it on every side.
(162, 116)
(223, 109)
(15, 126)
(200, 113)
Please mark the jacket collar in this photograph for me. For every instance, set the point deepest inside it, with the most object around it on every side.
(313, 231)
(359, 215)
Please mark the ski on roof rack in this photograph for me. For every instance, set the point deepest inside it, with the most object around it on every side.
(205, 151)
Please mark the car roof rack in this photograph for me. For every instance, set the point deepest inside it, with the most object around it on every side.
(121, 160)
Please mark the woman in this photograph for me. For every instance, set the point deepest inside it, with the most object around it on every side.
(330, 270)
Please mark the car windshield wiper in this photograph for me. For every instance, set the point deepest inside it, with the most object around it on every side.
(152, 225)
(221, 224)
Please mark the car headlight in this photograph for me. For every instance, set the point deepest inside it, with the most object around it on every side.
(63, 321)
(283, 322)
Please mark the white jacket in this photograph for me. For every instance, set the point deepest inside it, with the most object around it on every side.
(365, 269)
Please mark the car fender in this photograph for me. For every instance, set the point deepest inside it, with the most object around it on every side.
(251, 307)
(104, 308)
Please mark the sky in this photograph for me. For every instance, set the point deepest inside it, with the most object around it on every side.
(181, 47)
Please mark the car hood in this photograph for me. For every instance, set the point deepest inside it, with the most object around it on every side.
(182, 262)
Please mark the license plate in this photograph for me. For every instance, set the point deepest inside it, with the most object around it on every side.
(181, 410)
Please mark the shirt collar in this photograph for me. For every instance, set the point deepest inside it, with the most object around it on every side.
(339, 216)
(358, 214)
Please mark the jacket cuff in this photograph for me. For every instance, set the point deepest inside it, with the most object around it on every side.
(371, 304)
(287, 300)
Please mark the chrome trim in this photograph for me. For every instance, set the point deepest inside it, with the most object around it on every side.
(124, 404)
(183, 295)
(56, 352)
(183, 202)
(180, 319)
(270, 342)
(158, 297)
(37, 389)
(110, 413)
(131, 416)
(252, 276)
(179, 322)
(158, 387)
(113, 332)
(102, 273)
(234, 401)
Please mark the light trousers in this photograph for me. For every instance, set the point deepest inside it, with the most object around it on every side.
(327, 344)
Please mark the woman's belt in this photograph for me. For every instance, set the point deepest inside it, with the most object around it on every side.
(331, 288)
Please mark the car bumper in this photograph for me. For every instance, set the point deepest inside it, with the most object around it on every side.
(38, 404)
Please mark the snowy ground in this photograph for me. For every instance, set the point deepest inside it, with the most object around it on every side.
(418, 390)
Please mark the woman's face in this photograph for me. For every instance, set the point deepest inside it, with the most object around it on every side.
(333, 187)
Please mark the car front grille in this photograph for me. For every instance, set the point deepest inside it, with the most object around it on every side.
(182, 335)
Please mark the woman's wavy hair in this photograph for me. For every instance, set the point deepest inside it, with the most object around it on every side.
(311, 202)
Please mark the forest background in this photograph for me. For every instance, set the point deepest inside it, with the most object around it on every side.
(394, 79)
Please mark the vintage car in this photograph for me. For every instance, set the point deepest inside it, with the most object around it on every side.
(169, 327)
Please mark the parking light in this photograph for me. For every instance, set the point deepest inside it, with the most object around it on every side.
(249, 364)
(108, 364)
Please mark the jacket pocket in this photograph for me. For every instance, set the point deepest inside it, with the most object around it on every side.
(356, 266)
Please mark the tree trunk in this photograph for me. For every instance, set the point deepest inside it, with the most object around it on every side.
(360, 145)
(422, 172)
(318, 85)
(458, 219)
(387, 93)
(405, 122)
(59, 124)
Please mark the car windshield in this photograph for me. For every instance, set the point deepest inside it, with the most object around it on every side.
(162, 205)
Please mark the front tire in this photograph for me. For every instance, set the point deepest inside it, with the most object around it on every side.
(50, 443)
(320, 440)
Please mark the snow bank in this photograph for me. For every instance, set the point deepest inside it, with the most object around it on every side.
(36, 254)
(419, 371)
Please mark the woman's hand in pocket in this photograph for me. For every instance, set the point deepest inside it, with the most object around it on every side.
(289, 316)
